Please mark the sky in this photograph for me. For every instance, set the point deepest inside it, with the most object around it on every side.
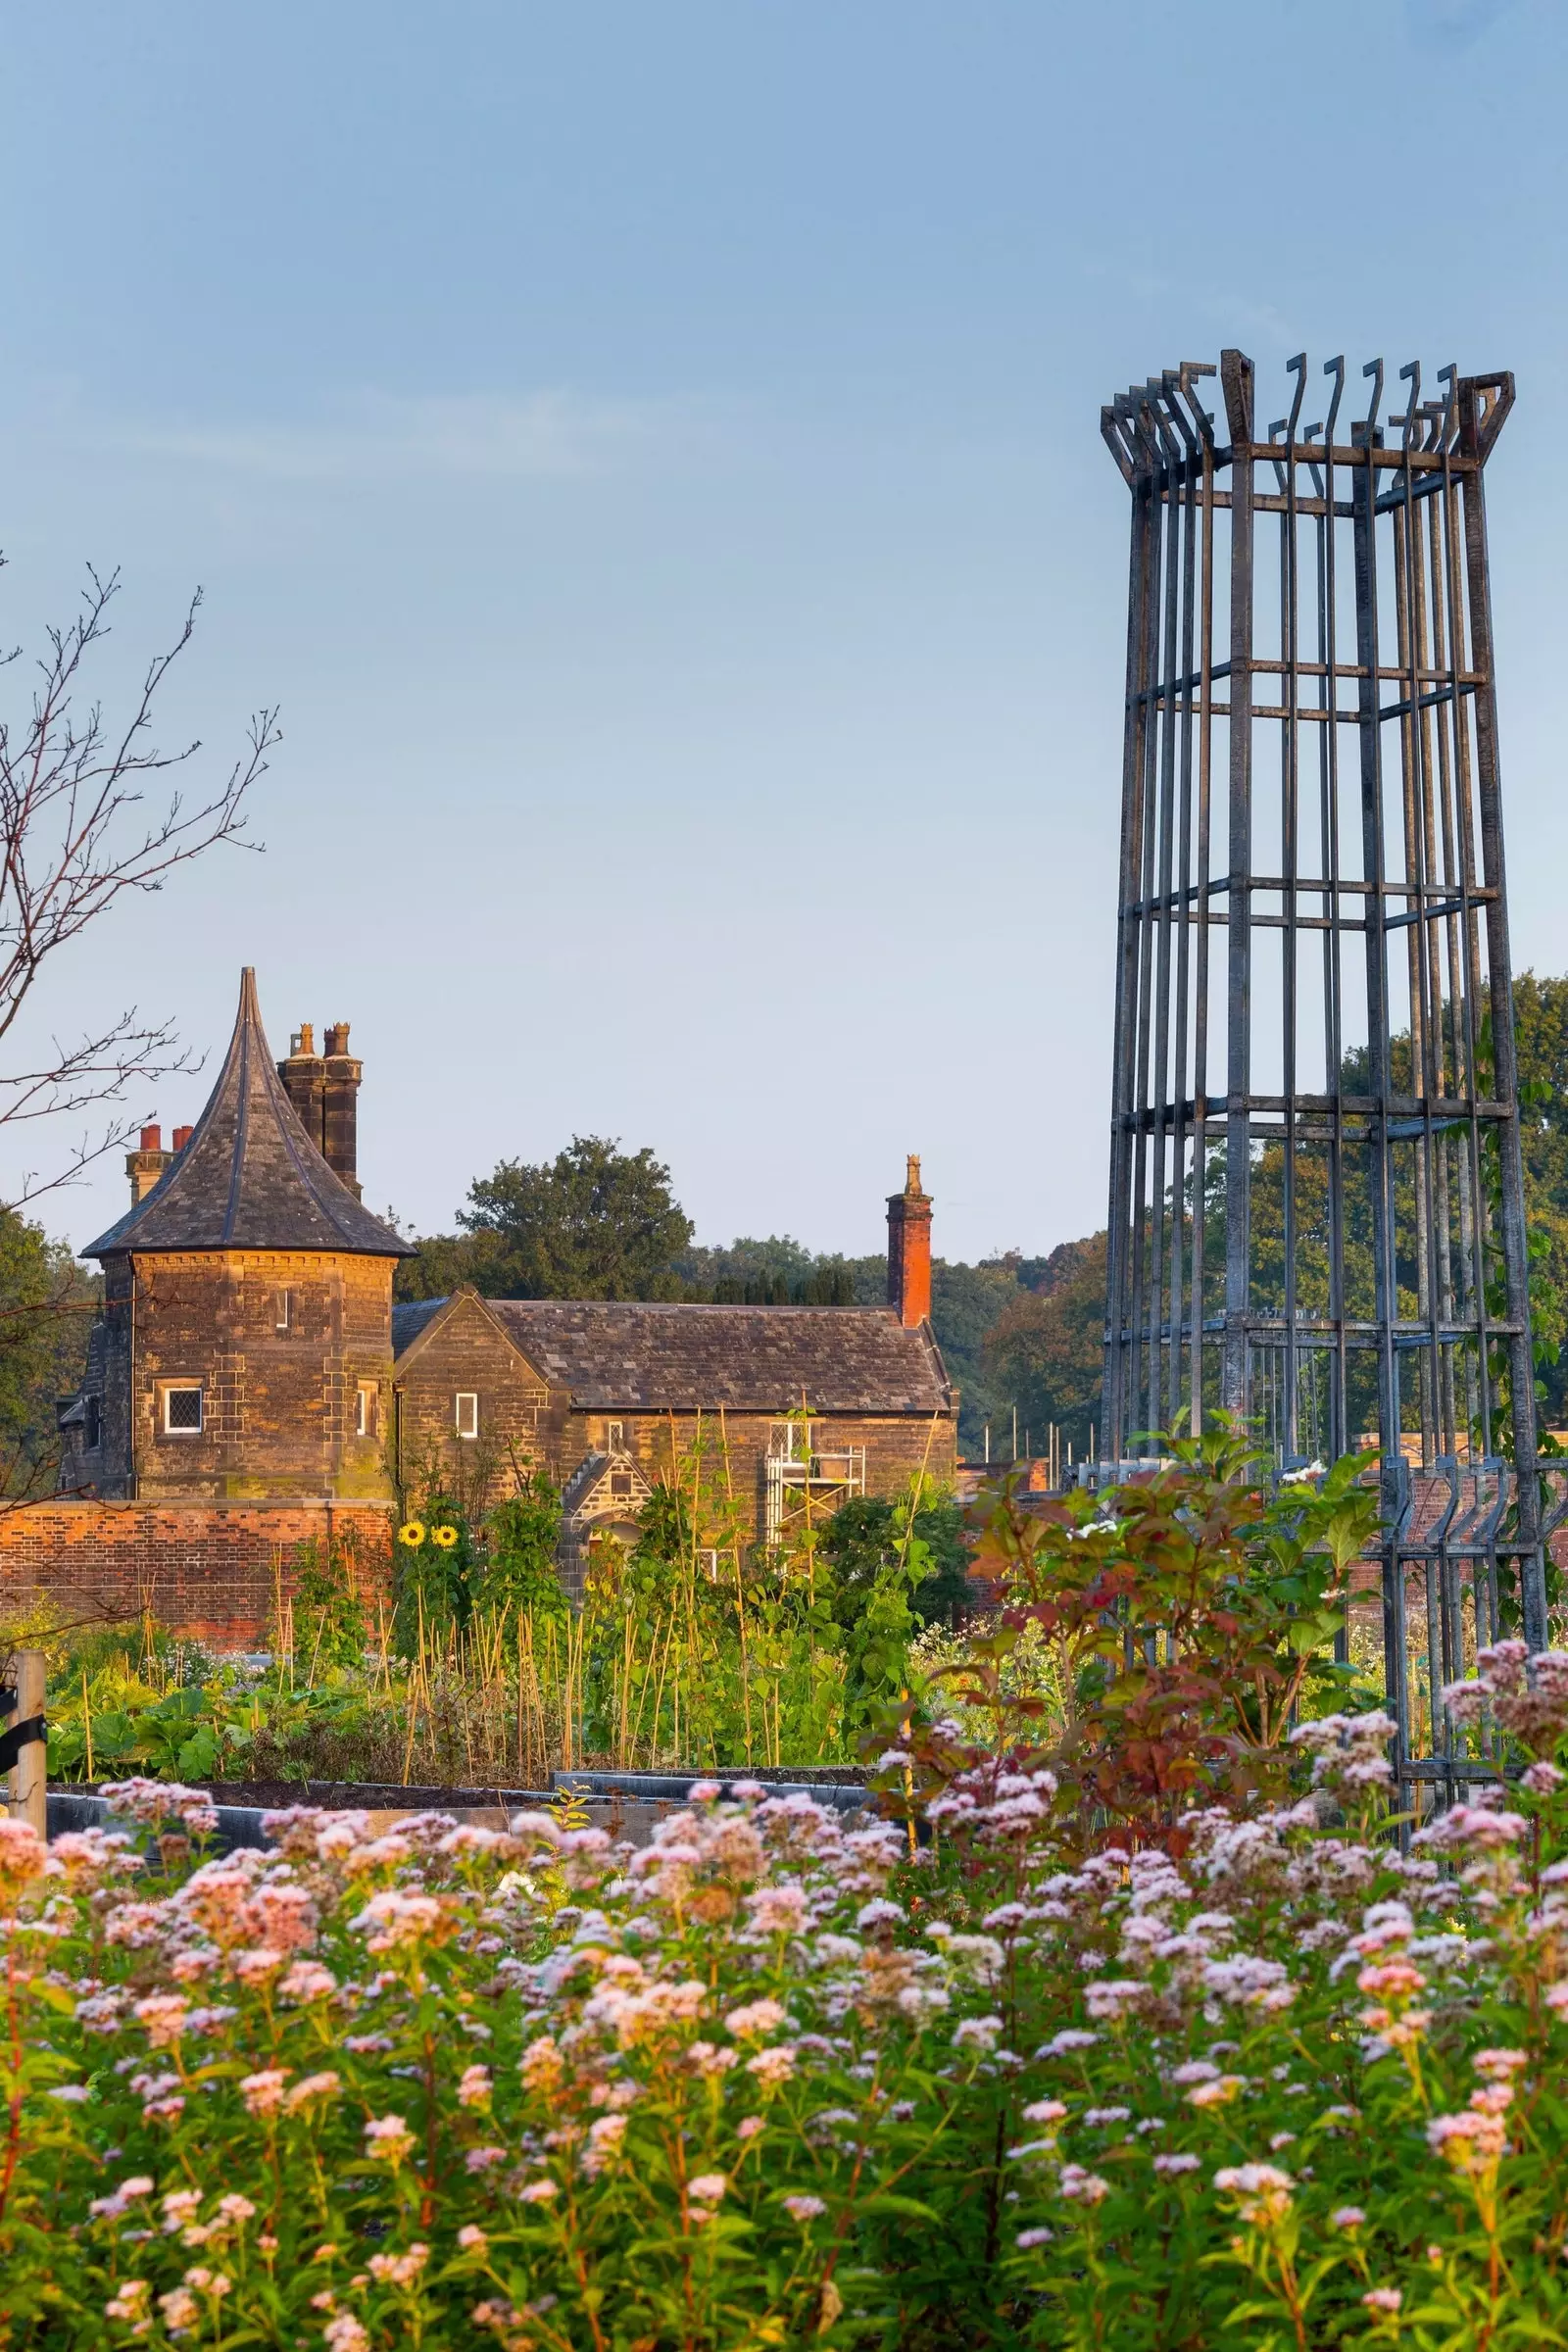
(651, 456)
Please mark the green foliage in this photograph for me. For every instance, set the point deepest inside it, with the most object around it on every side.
(777, 1272)
(1045, 1351)
(787, 2080)
(447, 1263)
(868, 1537)
(330, 1623)
(1195, 1611)
(46, 1309)
(518, 1567)
(593, 1223)
(434, 1577)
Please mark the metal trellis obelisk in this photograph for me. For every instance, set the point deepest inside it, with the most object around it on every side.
(1316, 1186)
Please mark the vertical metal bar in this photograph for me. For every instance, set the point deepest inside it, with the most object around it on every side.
(1333, 942)
(1123, 1084)
(1160, 1321)
(1515, 1243)
(1290, 791)
(1237, 381)
(1143, 1239)
(1366, 437)
(1204, 906)
(1181, 1215)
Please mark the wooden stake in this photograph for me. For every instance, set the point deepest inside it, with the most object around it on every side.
(29, 1775)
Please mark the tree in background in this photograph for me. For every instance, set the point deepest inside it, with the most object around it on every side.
(1541, 1041)
(1047, 1348)
(46, 1304)
(593, 1223)
(777, 1272)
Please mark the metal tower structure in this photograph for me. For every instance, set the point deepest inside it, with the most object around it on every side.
(1316, 1183)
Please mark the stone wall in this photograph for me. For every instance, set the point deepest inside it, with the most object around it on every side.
(279, 1341)
(210, 1571)
(521, 1422)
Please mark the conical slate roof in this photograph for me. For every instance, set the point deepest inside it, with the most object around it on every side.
(249, 1178)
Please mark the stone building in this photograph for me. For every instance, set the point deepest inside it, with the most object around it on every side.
(245, 1349)
(250, 1384)
(797, 1406)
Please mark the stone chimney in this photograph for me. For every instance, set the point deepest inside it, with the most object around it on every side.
(304, 1079)
(910, 1251)
(147, 1164)
(340, 1114)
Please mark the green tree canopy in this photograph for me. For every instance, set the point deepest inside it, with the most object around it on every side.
(1045, 1351)
(47, 1308)
(595, 1222)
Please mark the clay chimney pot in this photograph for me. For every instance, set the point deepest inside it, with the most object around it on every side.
(183, 1136)
(152, 1139)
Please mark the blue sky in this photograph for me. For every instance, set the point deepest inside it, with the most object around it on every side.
(651, 454)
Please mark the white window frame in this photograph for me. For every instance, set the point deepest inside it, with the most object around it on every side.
(471, 1398)
(183, 1388)
(285, 1310)
(367, 1408)
(615, 1437)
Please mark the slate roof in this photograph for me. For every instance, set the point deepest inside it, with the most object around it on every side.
(644, 1358)
(249, 1178)
(410, 1318)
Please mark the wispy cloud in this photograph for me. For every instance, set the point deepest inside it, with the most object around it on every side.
(379, 436)
(1454, 23)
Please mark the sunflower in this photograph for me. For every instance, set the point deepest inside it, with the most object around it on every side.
(412, 1533)
(446, 1536)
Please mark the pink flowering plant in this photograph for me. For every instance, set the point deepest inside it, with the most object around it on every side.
(1252, 2073)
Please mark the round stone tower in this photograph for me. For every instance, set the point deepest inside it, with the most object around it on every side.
(246, 1351)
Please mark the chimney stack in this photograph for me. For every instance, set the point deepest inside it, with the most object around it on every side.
(183, 1136)
(910, 1251)
(324, 1091)
(304, 1079)
(340, 1116)
(146, 1164)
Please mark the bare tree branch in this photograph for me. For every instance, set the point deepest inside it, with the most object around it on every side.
(71, 842)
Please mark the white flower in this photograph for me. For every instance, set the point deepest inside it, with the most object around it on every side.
(977, 2033)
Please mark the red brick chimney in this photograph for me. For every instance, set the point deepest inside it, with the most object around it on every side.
(910, 1251)
(145, 1166)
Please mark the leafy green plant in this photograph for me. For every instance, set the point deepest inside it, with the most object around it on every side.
(330, 1619)
(517, 1569)
(1195, 1612)
(432, 1587)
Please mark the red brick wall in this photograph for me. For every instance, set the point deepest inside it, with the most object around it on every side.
(210, 1571)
